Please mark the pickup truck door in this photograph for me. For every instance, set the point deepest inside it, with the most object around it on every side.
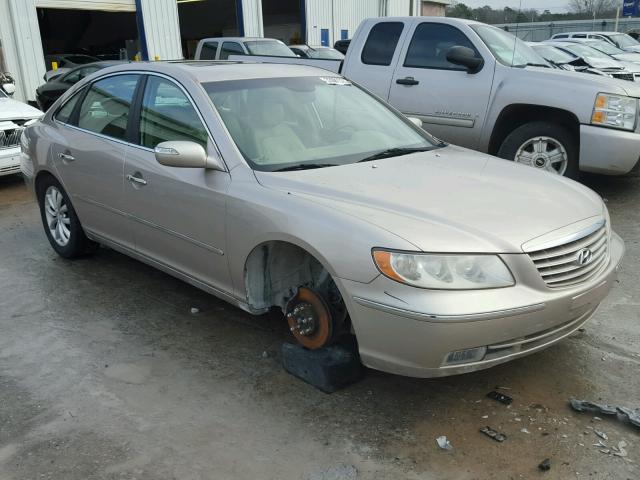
(451, 102)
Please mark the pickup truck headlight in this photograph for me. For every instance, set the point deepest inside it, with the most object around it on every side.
(617, 111)
(444, 272)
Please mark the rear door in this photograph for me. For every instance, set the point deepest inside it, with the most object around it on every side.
(373, 66)
(450, 102)
(178, 213)
(89, 154)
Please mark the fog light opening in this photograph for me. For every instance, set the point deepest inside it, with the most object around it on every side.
(468, 355)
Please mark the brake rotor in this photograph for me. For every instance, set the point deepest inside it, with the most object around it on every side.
(309, 319)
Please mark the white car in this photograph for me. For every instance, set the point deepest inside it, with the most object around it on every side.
(14, 116)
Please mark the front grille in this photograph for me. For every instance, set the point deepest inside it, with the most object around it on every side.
(10, 138)
(560, 267)
(624, 76)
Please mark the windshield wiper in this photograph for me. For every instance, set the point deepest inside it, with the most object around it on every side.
(304, 166)
(394, 152)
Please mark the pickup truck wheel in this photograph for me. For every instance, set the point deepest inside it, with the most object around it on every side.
(542, 145)
(60, 221)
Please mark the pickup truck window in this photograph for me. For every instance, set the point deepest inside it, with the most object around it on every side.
(310, 122)
(381, 43)
(272, 48)
(208, 51)
(508, 49)
(430, 44)
(230, 48)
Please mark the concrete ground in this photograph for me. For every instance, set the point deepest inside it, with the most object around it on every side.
(105, 374)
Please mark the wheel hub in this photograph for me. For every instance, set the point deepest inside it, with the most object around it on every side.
(304, 319)
(309, 319)
(545, 153)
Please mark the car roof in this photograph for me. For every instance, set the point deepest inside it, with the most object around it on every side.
(219, 71)
(239, 39)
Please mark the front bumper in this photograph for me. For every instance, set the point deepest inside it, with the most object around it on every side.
(410, 331)
(607, 150)
(9, 161)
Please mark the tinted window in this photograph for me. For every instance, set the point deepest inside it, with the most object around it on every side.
(381, 43)
(268, 47)
(77, 75)
(560, 36)
(105, 109)
(430, 44)
(579, 35)
(64, 113)
(208, 51)
(167, 114)
(230, 48)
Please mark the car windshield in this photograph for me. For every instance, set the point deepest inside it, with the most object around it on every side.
(507, 48)
(325, 53)
(623, 40)
(268, 48)
(605, 47)
(553, 54)
(585, 51)
(310, 122)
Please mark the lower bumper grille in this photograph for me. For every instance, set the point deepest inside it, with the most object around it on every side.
(575, 262)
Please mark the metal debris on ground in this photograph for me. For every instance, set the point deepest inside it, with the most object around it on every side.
(622, 413)
(195, 310)
(494, 434)
(545, 465)
(443, 443)
(620, 451)
(524, 430)
(500, 397)
(602, 435)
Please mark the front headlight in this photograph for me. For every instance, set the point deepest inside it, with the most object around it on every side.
(617, 111)
(445, 272)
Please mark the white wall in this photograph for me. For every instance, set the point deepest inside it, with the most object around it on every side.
(162, 29)
(252, 13)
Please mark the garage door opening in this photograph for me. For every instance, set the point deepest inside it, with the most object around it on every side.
(283, 20)
(98, 34)
(206, 18)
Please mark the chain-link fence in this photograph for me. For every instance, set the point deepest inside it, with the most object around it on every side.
(538, 31)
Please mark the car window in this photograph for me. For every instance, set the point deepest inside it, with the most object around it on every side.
(430, 44)
(77, 75)
(167, 114)
(506, 48)
(208, 51)
(268, 47)
(561, 36)
(580, 35)
(230, 48)
(64, 113)
(381, 43)
(105, 109)
(280, 122)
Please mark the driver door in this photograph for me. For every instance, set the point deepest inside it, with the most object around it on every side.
(451, 103)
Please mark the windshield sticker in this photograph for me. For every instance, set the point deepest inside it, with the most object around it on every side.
(335, 81)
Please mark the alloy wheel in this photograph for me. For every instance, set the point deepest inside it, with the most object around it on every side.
(57, 214)
(545, 153)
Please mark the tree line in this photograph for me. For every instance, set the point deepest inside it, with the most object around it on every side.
(576, 10)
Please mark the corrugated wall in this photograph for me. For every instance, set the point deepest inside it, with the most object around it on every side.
(162, 29)
(252, 13)
(400, 8)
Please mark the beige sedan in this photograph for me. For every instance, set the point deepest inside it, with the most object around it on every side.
(290, 187)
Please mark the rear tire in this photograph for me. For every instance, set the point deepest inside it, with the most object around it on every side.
(60, 221)
(545, 146)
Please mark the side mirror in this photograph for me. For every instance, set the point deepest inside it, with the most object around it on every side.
(465, 57)
(9, 88)
(416, 121)
(186, 154)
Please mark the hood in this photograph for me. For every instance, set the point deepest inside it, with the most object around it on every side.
(630, 67)
(447, 200)
(602, 63)
(628, 57)
(632, 48)
(11, 109)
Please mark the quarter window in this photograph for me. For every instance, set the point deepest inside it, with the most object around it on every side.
(230, 48)
(167, 114)
(105, 109)
(66, 111)
(381, 43)
(430, 44)
(208, 51)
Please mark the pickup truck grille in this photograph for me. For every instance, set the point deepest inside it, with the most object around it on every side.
(575, 262)
(10, 138)
(624, 76)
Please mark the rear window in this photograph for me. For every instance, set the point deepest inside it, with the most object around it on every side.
(381, 43)
(208, 51)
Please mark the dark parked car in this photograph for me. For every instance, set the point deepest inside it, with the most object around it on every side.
(323, 53)
(52, 90)
(342, 46)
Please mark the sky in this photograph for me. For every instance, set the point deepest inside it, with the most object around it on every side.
(555, 6)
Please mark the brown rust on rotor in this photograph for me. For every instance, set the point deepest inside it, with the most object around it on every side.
(309, 319)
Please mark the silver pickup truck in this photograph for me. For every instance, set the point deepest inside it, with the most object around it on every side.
(477, 86)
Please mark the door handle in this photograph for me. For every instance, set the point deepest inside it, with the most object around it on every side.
(138, 180)
(66, 157)
(407, 81)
